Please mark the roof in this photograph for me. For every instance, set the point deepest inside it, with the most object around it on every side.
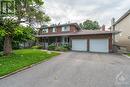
(82, 32)
(60, 25)
(122, 17)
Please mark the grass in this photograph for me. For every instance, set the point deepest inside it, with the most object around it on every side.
(128, 54)
(22, 58)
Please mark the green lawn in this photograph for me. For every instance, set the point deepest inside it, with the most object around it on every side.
(22, 58)
(128, 54)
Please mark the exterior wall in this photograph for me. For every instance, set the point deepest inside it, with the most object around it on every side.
(59, 30)
(88, 37)
(122, 38)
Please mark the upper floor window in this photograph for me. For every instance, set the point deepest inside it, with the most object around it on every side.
(45, 30)
(65, 28)
(53, 29)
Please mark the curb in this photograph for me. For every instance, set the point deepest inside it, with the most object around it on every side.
(126, 56)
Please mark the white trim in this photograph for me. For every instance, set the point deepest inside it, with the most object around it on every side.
(53, 29)
(45, 30)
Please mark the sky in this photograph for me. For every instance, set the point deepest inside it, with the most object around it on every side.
(64, 11)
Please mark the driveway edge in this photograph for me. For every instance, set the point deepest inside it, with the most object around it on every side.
(126, 56)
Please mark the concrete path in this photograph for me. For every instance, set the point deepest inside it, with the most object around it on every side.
(75, 69)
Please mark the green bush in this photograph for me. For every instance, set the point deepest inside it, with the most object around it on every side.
(37, 47)
(51, 47)
(61, 48)
(67, 46)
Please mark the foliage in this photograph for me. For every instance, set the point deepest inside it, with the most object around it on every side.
(51, 47)
(23, 34)
(7, 26)
(31, 11)
(67, 46)
(22, 58)
(28, 12)
(37, 47)
(59, 48)
(18, 33)
(1, 43)
(90, 25)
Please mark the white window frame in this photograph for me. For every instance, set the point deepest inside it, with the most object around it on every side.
(65, 28)
(45, 30)
(53, 29)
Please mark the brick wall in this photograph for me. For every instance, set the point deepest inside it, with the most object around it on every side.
(59, 30)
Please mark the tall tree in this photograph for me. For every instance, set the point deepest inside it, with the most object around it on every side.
(27, 11)
(7, 28)
(90, 25)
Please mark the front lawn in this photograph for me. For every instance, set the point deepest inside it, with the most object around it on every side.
(22, 58)
(128, 54)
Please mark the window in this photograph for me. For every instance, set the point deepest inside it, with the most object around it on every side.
(45, 30)
(53, 29)
(65, 28)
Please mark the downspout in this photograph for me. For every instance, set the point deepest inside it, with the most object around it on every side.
(113, 29)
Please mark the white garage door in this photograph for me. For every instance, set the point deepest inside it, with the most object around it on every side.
(99, 45)
(79, 44)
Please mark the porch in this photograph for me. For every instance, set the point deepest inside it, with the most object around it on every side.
(57, 41)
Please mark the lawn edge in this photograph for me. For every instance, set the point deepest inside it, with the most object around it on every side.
(125, 55)
(24, 68)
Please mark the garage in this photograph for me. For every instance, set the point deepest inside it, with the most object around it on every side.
(79, 44)
(99, 45)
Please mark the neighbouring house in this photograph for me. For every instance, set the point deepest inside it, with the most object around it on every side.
(77, 38)
(123, 25)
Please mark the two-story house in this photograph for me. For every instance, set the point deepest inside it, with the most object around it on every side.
(79, 39)
(123, 25)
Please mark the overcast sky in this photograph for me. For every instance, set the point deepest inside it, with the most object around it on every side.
(79, 10)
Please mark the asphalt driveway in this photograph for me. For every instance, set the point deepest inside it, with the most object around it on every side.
(75, 69)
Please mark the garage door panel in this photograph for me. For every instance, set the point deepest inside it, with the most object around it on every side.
(79, 44)
(99, 45)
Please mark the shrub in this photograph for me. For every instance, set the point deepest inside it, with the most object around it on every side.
(51, 47)
(61, 48)
(37, 47)
(1, 54)
(67, 46)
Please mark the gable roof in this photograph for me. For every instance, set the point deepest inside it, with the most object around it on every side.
(122, 17)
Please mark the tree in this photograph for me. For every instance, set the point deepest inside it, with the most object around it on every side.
(27, 11)
(90, 25)
(30, 11)
(27, 33)
(13, 32)
(7, 29)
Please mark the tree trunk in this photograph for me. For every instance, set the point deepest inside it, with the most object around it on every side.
(7, 45)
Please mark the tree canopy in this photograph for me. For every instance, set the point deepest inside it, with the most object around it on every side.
(90, 25)
(26, 11)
